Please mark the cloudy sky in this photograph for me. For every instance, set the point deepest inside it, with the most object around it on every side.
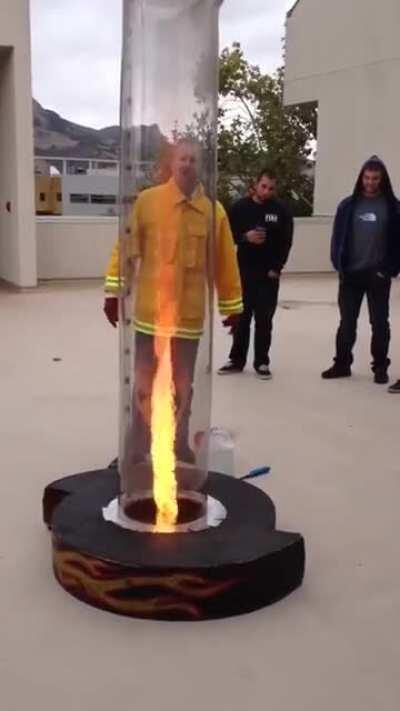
(76, 51)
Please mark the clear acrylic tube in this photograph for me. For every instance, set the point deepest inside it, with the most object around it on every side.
(168, 177)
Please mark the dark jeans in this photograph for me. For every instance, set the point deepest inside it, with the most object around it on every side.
(184, 352)
(260, 299)
(352, 289)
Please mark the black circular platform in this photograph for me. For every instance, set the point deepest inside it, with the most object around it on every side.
(240, 566)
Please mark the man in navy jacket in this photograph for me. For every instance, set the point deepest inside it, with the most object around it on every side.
(365, 251)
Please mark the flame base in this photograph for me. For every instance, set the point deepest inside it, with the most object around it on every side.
(240, 566)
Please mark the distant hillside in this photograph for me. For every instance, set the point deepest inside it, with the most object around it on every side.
(55, 136)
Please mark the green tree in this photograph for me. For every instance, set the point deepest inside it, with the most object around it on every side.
(256, 130)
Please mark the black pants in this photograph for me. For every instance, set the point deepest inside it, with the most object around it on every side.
(352, 289)
(260, 299)
(183, 353)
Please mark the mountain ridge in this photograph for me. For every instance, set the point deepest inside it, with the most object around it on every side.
(56, 136)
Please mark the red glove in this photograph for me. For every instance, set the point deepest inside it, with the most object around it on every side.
(232, 322)
(111, 310)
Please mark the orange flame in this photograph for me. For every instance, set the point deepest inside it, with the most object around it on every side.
(163, 411)
(163, 429)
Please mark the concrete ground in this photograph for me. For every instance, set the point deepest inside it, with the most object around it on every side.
(334, 449)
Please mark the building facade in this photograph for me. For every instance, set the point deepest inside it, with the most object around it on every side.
(85, 186)
(17, 214)
(346, 56)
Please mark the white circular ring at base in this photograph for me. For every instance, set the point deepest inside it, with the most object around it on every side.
(215, 514)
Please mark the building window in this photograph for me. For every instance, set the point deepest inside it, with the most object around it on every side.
(59, 197)
(79, 197)
(42, 197)
(77, 167)
(103, 199)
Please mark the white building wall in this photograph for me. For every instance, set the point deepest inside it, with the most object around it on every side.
(346, 56)
(80, 247)
(311, 246)
(17, 228)
(9, 256)
(91, 184)
(74, 247)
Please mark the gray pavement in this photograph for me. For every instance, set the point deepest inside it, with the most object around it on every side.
(334, 449)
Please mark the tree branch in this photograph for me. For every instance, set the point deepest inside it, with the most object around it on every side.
(253, 123)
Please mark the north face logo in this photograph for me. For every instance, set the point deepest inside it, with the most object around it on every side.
(271, 218)
(368, 217)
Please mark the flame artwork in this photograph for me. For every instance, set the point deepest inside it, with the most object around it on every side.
(172, 595)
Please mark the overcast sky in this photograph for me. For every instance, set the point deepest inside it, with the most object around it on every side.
(76, 51)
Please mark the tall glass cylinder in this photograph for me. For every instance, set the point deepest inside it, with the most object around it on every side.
(166, 254)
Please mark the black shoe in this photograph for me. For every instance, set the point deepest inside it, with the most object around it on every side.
(336, 371)
(263, 372)
(380, 376)
(229, 368)
(395, 388)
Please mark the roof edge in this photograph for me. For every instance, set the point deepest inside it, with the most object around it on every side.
(292, 9)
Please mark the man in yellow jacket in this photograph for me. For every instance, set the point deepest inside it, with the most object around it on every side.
(167, 249)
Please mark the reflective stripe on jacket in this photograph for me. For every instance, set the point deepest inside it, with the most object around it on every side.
(169, 235)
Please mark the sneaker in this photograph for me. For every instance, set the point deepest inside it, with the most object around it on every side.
(263, 372)
(395, 388)
(336, 371)
(229, 368)
(380, 376)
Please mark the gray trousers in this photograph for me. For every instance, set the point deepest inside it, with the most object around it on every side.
(138, 438)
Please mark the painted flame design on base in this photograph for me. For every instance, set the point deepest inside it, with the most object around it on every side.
(105, 585)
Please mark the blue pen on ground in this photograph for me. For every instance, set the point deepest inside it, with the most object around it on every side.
(259, 471)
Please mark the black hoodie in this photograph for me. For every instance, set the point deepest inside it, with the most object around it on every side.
(245, 215)
(343, 225)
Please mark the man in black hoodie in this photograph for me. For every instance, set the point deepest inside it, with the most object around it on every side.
(365, 250)
(263, 230)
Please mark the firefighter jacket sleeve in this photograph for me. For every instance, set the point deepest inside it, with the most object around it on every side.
(111, 282)
(112, 279)
(227, 276)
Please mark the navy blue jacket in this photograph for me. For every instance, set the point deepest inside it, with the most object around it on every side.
(343, 226)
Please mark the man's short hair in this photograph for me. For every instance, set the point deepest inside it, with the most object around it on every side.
(266, 173)
(186, 141)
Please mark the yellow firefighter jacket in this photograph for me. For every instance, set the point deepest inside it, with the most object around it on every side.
(168, 237)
